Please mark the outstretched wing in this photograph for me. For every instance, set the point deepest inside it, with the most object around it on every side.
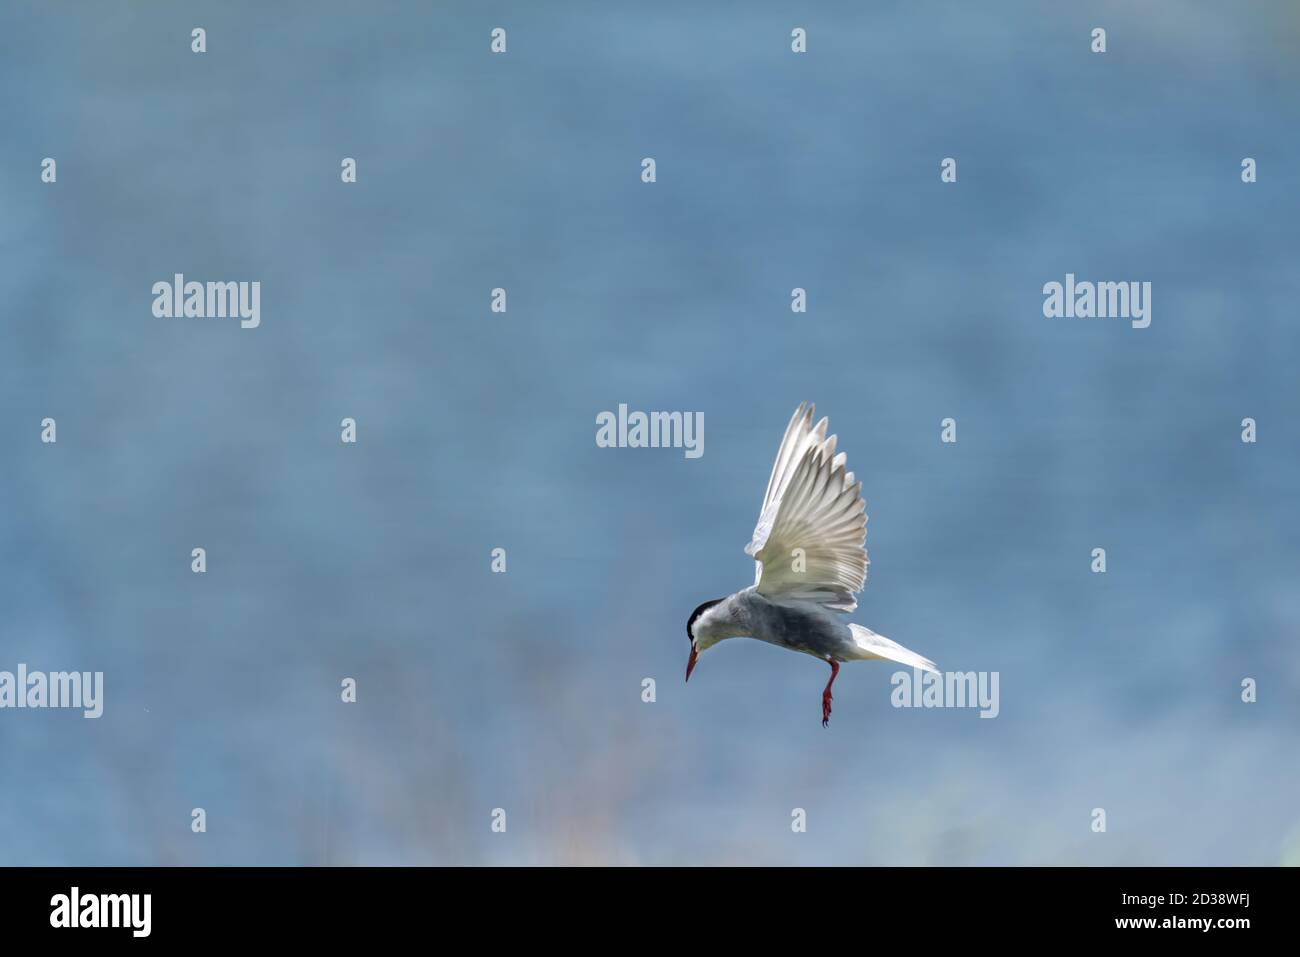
(813, 505)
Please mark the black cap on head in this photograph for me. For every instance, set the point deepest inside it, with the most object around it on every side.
(696, 614)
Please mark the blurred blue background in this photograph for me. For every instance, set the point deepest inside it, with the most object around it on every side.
(476, 430)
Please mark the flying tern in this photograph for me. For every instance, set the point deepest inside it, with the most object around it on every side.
(809, 549)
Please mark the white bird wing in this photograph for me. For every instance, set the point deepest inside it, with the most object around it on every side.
(812, 504)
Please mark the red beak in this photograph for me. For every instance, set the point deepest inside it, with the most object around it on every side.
(690, 665)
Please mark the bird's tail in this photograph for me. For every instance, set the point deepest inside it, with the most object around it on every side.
(872, 645)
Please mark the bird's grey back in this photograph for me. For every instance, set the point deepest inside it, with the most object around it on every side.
(799, 626)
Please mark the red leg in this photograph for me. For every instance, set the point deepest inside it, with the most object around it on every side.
(826, 695)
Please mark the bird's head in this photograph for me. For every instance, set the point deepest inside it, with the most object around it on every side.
(699, 635)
